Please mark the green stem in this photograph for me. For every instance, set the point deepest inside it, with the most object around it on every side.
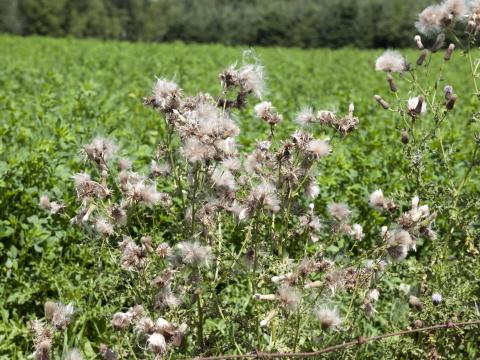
(200, 323)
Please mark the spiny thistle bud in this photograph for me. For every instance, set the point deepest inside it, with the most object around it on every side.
(405, 138)
(449, 52)
(448, 90)
(393, 86)
(50, 307)
(418, 41)
(313, 284)
(451, 102)
(107, 353)
(422, 57)
(436, 298)
(437, 45)
(42, 350)
(415, 302)
(369, 309)
(268, 318)
(382, 102)
(418, 324)
(351, 109)
(268, 297)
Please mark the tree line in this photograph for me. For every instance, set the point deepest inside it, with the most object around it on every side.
(301, 23)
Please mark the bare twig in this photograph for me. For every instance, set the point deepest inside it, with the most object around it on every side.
(360, 341)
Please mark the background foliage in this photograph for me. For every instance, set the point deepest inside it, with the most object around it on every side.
(302, 23)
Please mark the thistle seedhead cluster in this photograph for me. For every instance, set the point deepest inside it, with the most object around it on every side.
(343, 124)
(410, 225)
(52, 206)
(228, 204)
(159, 334)
(436, 18)
(57, 317)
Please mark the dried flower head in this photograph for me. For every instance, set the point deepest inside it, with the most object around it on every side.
(417, 105)
(267, 112)
(100, 150)
(107, 353)
(391, 61)
(456, 8)
(145, 326)
(62, 315)
(195, 254)
(373, 295)
(404, 288)
(339, 211)
(251, 79)
(103, 227)
(289, 297)
(163, 250)
(415, 302)
(399, 242)
(166, 95)
(121, 320)
(264, 195)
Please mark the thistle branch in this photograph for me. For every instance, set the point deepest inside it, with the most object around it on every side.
(358, 342)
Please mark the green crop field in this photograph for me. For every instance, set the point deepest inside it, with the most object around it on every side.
(58, 94)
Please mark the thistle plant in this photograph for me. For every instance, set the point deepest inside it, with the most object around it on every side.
(213, 218)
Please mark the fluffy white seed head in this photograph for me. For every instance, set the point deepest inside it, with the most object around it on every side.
(305, 117)
(103, 227)
(376, 199)
(413, 103)
(223, 179)
(339, 211)
(252, 79)
(404, 288)
(289, 297)
(328, 317)
(432, 19)
(157, 343)
(195, 254)
(391, 61)
(357, 232)
(373, 295)
(318, 148)
(263, 109)
(73, 354)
